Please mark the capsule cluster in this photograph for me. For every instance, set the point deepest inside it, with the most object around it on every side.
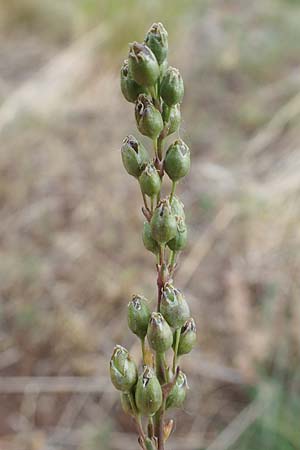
(156, 90)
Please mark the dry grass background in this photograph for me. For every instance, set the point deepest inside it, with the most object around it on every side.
(71, 252)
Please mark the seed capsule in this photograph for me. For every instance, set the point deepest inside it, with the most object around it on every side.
(172, 88)
(188, 337)
(159, 333)
(177, 207)
(148, 394)
(163, 223)
(126, 404)
(148, 240)
(177, 161)
(130, 89)
(138, 315)
(143, 66)
(150, 181)
(134, 156)
(123, 371)
(148, 118)
(157, 40)
(177, 394)
(174, 307)
(179, 241)
(172, 116)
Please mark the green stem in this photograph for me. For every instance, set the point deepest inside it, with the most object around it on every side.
(150, 427)
(172, 259)
(159, 425)
(137, 417)
(155, 146)
(173, 191)
(160, 142)
(143, 350)
(145, 201)
(152, 204)
(161, 368)
(177, 338)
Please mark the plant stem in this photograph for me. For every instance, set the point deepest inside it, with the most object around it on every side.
(137, 418)
(177, 338)
(160, 275)
(152, 204)
(150, 427)
(159, 422)
(155, 146)
(160, 141)
(172, 260)
(173, 190)
(145, 201)
(143, 350)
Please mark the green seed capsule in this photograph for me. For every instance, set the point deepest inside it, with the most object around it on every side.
(177, 394)
(150, 181)
(174, 307)
(143, 66)
(172, 88)
(123, 371)
(172, 116)
(148, 394)
(177, 207)
(159, 333)
(188, 337)
(148, 240)
(157, 40)
(177, 161)
(134, 156)
(163, 223)
(126, 404)
(130, 89)
(179, 241)
(138, 315)
(148, 118)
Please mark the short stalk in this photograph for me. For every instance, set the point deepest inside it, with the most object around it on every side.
(177, 339)
(143, 350)
(173, 190)
(150, 427)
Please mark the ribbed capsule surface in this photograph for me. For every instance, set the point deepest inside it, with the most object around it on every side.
(148, 394)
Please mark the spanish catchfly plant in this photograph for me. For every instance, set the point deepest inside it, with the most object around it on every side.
(156, 91)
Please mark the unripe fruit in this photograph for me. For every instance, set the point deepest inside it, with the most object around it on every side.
(188, 337)
(173, 306)
(172, 88)
(123, 371)
(172, 116)
(150, 181)
(148, 393)
(177, 394)
(149, 243)
(143, 66)
(134, 156)
(157, 40)
(163, 223)
(159, 333)
(138, 315)
(130, 89)
(177, 207)
(148, 118)
(179, 241)
(177, 161)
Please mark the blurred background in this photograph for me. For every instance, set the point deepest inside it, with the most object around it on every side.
(71, 253)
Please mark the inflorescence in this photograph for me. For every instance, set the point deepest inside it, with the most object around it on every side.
(156, 90)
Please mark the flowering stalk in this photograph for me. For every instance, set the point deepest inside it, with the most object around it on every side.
(157, 91)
